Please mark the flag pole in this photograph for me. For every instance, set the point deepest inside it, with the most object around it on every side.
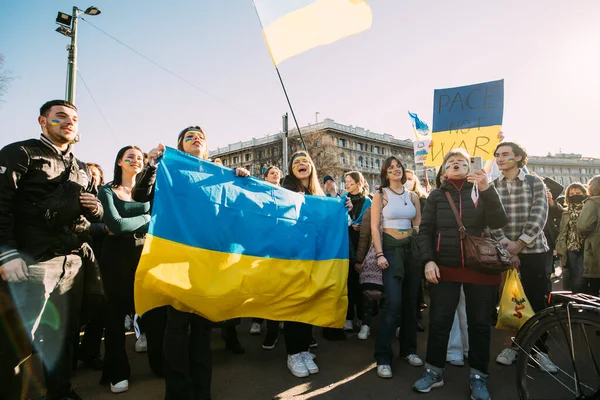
(280, 79)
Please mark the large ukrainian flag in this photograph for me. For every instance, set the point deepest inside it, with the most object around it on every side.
(225, 247)
(291, 27)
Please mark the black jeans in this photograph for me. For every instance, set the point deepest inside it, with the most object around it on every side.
(355, 295)
(92, 338)
(535, 279)
(59, 323)
(188, 369)
(297, 337)
(120, 257)
(479, 300)
(153, 324)
(413, 274)
(575, 282)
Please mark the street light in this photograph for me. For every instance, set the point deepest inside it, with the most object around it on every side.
(68, 27)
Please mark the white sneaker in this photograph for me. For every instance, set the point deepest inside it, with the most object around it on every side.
(507, 357)
(141, 345)
(384, 371)
(348, 325)
(309, 363)
(120, 387)
(296, 365)
(545, 363)
(364, 333)
(457, 363)
(256, 328)
(414, 360)
(398, 332)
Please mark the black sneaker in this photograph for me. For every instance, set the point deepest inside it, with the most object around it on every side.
(269, 342)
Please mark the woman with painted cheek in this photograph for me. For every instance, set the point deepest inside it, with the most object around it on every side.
(396, 213)
(443, 255)
(272, 175)
(569, 244)
(358, 195)
(187, 352)
(127, 221)
(302, 178)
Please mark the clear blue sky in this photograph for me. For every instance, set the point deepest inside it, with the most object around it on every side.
(548, 52)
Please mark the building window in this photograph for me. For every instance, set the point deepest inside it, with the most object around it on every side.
(247, 157)
(377, 164)
(342, 158)
(541, 169)
(359, 146)
(360, 161)
(597, 171)
(342, 142)
(236, 159)
(372, 164)
(584, 170)
(225, 162)
(275, 152)
(376, 149)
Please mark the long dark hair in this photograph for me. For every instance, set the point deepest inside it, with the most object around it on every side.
(313, 181)
(383, 175)
(118, 175)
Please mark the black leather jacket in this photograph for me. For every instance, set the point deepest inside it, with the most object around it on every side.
(40, 212)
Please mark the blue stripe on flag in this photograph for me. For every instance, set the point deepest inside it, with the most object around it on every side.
(272, 10)
(204, 205)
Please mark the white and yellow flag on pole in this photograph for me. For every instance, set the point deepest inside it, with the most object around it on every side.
(291, 27)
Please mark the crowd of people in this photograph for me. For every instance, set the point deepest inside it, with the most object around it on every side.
(69, 239)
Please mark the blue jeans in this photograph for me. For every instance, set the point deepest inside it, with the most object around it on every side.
(390, 315)
(575, 283)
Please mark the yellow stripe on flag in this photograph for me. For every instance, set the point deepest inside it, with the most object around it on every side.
(317, 24)
(235, 285)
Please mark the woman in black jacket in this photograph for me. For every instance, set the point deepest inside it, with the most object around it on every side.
(443, 255)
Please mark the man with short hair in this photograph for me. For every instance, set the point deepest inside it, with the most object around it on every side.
(526, 204)
(330, 186)
(46, 199)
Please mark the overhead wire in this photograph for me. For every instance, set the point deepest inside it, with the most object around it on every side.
(97, 105)
(165, 69)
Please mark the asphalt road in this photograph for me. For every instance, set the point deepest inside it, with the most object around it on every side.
(347, 371)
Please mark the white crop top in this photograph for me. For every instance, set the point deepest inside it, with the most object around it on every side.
(399, 210)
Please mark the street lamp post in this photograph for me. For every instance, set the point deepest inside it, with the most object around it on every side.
(69, 28)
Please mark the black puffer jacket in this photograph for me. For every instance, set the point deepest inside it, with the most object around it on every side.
(439, 239)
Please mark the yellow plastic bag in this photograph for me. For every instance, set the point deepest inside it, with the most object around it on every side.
(515, 309)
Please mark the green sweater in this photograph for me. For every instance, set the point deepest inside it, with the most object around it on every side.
(121, 217)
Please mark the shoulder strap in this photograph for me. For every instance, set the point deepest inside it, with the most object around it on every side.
(461, 226)
(529, 179)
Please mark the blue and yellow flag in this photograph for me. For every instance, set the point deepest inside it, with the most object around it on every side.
(291, 27)
(224, 247)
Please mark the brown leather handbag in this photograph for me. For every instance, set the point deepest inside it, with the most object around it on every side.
(483, 254)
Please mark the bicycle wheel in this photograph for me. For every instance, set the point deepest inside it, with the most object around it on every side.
(567, 337)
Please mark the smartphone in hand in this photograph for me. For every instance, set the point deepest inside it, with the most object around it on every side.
(476, 164)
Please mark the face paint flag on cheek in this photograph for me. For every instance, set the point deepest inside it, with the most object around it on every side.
(127, 161)
(54, 122)
(188, 140)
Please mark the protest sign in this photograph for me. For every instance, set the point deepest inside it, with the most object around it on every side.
(469, 117)
(421, 150)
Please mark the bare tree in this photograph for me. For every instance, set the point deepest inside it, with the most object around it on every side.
(5, 78)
